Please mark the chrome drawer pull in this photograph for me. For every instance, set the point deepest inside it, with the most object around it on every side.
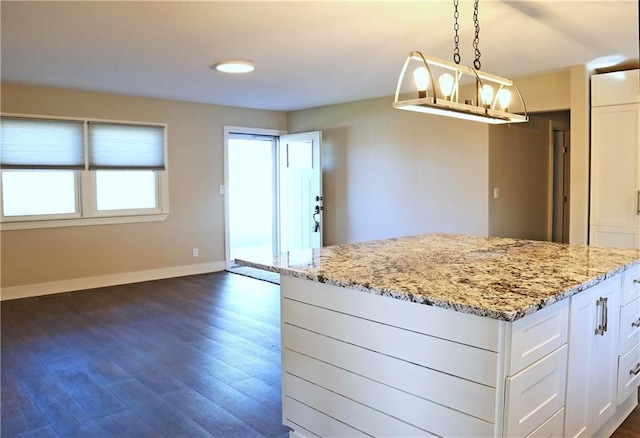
(636, 370)
(636, 280)
(636, 324)
(600, 306)
(605, 314)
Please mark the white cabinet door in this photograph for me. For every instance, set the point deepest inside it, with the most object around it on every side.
(592, 369)
(615, 199)
(581, 334)
(605, 354)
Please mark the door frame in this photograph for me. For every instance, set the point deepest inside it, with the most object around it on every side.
(555, 125)
(228, 130)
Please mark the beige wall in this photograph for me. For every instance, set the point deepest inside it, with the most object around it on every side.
(519, 166)
(545, 92)
(195, 150)
(390, 173)
(579, 152)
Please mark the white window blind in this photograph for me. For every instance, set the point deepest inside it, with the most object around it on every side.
(122, 146)
(41, 144)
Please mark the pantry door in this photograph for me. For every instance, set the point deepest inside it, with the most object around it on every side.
(300, 191)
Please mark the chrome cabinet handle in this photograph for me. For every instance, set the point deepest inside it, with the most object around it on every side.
(636, 280)
(636, 324)
(600, 306)
(605, 315)
(638, 203)
(636, 370)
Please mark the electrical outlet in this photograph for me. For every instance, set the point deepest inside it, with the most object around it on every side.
(196, 252)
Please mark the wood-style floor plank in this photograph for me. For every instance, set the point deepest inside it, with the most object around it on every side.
(191, 356)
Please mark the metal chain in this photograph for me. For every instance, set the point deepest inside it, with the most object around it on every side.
(476, 41)
(456, 38)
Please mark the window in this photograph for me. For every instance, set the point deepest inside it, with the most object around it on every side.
(126, 190)
(74, 172)
(44, 192)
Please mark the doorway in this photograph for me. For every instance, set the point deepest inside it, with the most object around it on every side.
(560, 181)
(251, 194)
(273, 193)
(529, 179)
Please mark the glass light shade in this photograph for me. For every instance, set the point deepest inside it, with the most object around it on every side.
(504, 98)
(487, 94)
(421, 76)
(446, 84)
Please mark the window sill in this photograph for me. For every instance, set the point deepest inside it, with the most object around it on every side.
(81, 222)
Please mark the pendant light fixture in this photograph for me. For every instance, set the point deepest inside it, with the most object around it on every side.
(488, 101)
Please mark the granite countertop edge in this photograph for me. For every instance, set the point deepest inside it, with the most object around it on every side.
(518, 310)
(419, 299)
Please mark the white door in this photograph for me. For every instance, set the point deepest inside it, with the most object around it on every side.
(300, 191)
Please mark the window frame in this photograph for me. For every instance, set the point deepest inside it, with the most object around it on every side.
(86, 189)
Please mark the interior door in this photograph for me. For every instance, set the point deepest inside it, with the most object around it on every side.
(300, 191)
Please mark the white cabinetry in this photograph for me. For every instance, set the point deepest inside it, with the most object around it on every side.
(615, 160)
(629, 345)
(358, 364)
(604, 353)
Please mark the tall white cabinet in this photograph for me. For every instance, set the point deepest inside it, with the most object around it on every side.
(615, 160)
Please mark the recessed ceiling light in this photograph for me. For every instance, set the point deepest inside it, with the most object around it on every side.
(234, 66)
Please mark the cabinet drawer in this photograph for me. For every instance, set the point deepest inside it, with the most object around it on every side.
(535, 394)
(629, 326)
(627, 380)
(553, 427)
(630, 284)
(538, 334)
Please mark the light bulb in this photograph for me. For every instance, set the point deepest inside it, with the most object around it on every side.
(504, 97)
(446, 85)
(421, 76)
(487, 94)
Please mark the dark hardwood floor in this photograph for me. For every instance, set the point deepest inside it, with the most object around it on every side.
(631, 426)
(184, 357)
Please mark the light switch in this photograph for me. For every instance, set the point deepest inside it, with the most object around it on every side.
(496, 193)
(221, 189)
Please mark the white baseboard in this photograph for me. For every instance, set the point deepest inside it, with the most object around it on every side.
(56, 287)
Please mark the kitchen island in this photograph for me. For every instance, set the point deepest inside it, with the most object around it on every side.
(451, 335)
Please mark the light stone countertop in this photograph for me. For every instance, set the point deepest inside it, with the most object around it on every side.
(494, 277)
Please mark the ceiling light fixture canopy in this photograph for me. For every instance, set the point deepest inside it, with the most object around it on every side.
(235, 66)
(487, 102)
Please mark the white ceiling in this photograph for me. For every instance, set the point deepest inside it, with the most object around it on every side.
(307, 53)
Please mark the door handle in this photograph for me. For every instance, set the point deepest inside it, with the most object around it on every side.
(316, 223)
